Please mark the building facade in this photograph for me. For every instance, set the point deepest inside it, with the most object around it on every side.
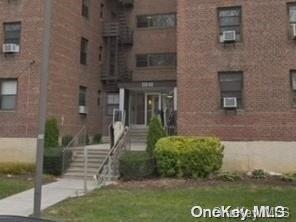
(222, 68)
(256, 67)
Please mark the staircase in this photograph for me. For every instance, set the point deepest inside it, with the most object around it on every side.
(138, 138)
(95, 158)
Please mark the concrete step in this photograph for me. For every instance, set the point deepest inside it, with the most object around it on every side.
(95, 152)
(81, 170)
(90, 156)
(78, 176)
(89, 165)
(90, 161)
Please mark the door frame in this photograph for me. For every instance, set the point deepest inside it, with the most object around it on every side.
(146, 103)
(146, 94)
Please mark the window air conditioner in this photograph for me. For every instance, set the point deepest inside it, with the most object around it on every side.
(230, 102)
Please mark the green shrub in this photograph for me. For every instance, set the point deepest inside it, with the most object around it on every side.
(66, 140)
(135, 165)
(155, 133)
(188, 156)
(53, 161)
(229, 177)
(51, 134)
(97, 139)
(259, 174)
(16, 168)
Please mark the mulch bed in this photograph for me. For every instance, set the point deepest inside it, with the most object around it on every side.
(211, 182)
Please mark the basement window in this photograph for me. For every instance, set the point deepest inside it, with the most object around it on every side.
(231, 85)
(8, 94)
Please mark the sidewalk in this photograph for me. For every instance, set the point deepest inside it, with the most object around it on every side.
(22, 204)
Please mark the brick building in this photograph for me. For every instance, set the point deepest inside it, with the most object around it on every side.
(226, 67)
(255, 65)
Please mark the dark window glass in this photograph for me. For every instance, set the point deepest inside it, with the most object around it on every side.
(293, 86)
(230, 20)
(161, 59)
(82, 96)
(8, 94)
(12, 32)
(292, 19)
(112, 102)
(83, 51)
(231, 85)
(102, 11)
(85, 8)
(159, 21)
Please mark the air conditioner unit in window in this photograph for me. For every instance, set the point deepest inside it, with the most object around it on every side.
(10, 48)
(229, 36)
(230, 102)
(294, 31)
(83, 110)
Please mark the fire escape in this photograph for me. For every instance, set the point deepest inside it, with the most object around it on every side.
(118, 38)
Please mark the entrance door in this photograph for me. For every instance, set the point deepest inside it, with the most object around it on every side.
(137, 109)
(153, 106)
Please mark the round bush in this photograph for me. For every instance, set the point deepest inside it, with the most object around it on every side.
(135, 165)
(188, 156)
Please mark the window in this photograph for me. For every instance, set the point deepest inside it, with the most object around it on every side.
(231, 85)
(82, 96)
(102, 11)
(293, 86)
(8, 93)
(83, 51)
(292, 18)
(162, 59)
(230, 20)
(112, 103)
(12, 32)
(159, 21)
(85, 8)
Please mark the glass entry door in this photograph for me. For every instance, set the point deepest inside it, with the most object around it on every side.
(153, 106)
(137, 109)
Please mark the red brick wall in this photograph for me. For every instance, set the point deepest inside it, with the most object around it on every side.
(265, 56)
(66, 72)
(22, 122)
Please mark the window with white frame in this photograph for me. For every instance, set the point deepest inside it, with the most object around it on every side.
(112, 102)
(8, 94)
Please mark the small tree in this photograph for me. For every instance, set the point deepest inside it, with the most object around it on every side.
(155, 132)
(51, 139)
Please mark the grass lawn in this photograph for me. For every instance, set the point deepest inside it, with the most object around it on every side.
(161, 204)
(18, 183)
(9, 186)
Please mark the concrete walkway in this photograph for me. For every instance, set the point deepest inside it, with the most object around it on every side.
(22, 204)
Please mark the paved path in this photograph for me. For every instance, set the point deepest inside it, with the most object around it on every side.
(22, 204)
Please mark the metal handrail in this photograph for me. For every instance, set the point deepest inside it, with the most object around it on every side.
(112, 151)
(71, 143)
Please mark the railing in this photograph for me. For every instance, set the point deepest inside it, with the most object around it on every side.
(79, 140)
(111, 29)
(110, 167)
(171, 127)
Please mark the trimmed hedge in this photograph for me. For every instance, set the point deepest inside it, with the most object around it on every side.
(155, 132)
(53, 161)
(16, 168)
(188, 156)
(135, 165)
(51, 138)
